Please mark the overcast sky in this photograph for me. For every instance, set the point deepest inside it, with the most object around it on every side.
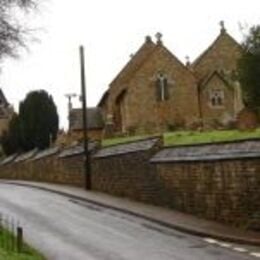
(111, 31)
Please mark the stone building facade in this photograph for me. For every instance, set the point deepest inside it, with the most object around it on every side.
(155, 91)
(6, 112)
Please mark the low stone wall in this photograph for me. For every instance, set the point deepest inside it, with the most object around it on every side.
(217, 182)
(226, 191)
(44, 166)
(214, 181)
(124, 170)
(71, 162)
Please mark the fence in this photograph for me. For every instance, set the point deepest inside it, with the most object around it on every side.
(11, 234)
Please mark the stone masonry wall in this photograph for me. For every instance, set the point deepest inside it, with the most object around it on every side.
(224, 186)
(129, 175)
(223, 190)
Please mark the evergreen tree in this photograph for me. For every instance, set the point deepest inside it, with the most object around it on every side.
(249, 69)
(39, 121)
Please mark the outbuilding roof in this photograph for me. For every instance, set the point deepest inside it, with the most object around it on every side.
(94, 119)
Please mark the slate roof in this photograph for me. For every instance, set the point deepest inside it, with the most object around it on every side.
(76, 150)
(210, 152)
(3, 98)
(26, 156)
(131, 147)
(8, 159)
(46, 153)
(94, 117)
(103, 99)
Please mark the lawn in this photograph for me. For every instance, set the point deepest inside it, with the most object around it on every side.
(191, 137)
(7, 254)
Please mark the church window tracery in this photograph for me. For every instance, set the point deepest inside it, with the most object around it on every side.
(162, 92)
(216, 98)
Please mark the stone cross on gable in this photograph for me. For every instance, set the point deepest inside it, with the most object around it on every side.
(222, 25)
(158, 36)
(187, 60)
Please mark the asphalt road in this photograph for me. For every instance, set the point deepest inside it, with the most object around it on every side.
(68, 229)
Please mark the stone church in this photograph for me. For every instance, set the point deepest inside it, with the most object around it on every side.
(155, 91)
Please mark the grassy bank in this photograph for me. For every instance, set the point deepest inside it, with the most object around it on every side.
(6, 252)
(192, 137)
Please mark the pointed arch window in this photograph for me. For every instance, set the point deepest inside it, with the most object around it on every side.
(162, 88)
(216, 98)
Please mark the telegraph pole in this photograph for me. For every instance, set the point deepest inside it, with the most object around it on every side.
(87, 162)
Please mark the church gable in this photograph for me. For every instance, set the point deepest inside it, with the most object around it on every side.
(159, 91)
(135, 62)
(152, 91)
(215, 75)
(222, 55)
(217, 99)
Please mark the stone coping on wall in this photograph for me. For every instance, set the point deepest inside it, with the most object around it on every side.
(130, 147)
(208, 152)
(9, 159)
(45, 153)
(26, 156)
(77, 150)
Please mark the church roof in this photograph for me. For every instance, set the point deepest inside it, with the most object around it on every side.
(95, 120)
(223, 34)
(136, 61)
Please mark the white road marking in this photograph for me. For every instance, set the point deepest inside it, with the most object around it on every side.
(232, 247)
(224, 244)
(255, 254)
(240, 249)
(211, 240)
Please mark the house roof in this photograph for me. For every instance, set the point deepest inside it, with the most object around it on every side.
(94, 118)
(3, 98)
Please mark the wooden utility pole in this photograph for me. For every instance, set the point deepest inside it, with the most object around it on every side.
(87, 162)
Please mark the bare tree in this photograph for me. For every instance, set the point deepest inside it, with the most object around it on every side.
(12, 32)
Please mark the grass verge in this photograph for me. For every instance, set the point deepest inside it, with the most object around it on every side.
(191, 137)
(7, 253)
